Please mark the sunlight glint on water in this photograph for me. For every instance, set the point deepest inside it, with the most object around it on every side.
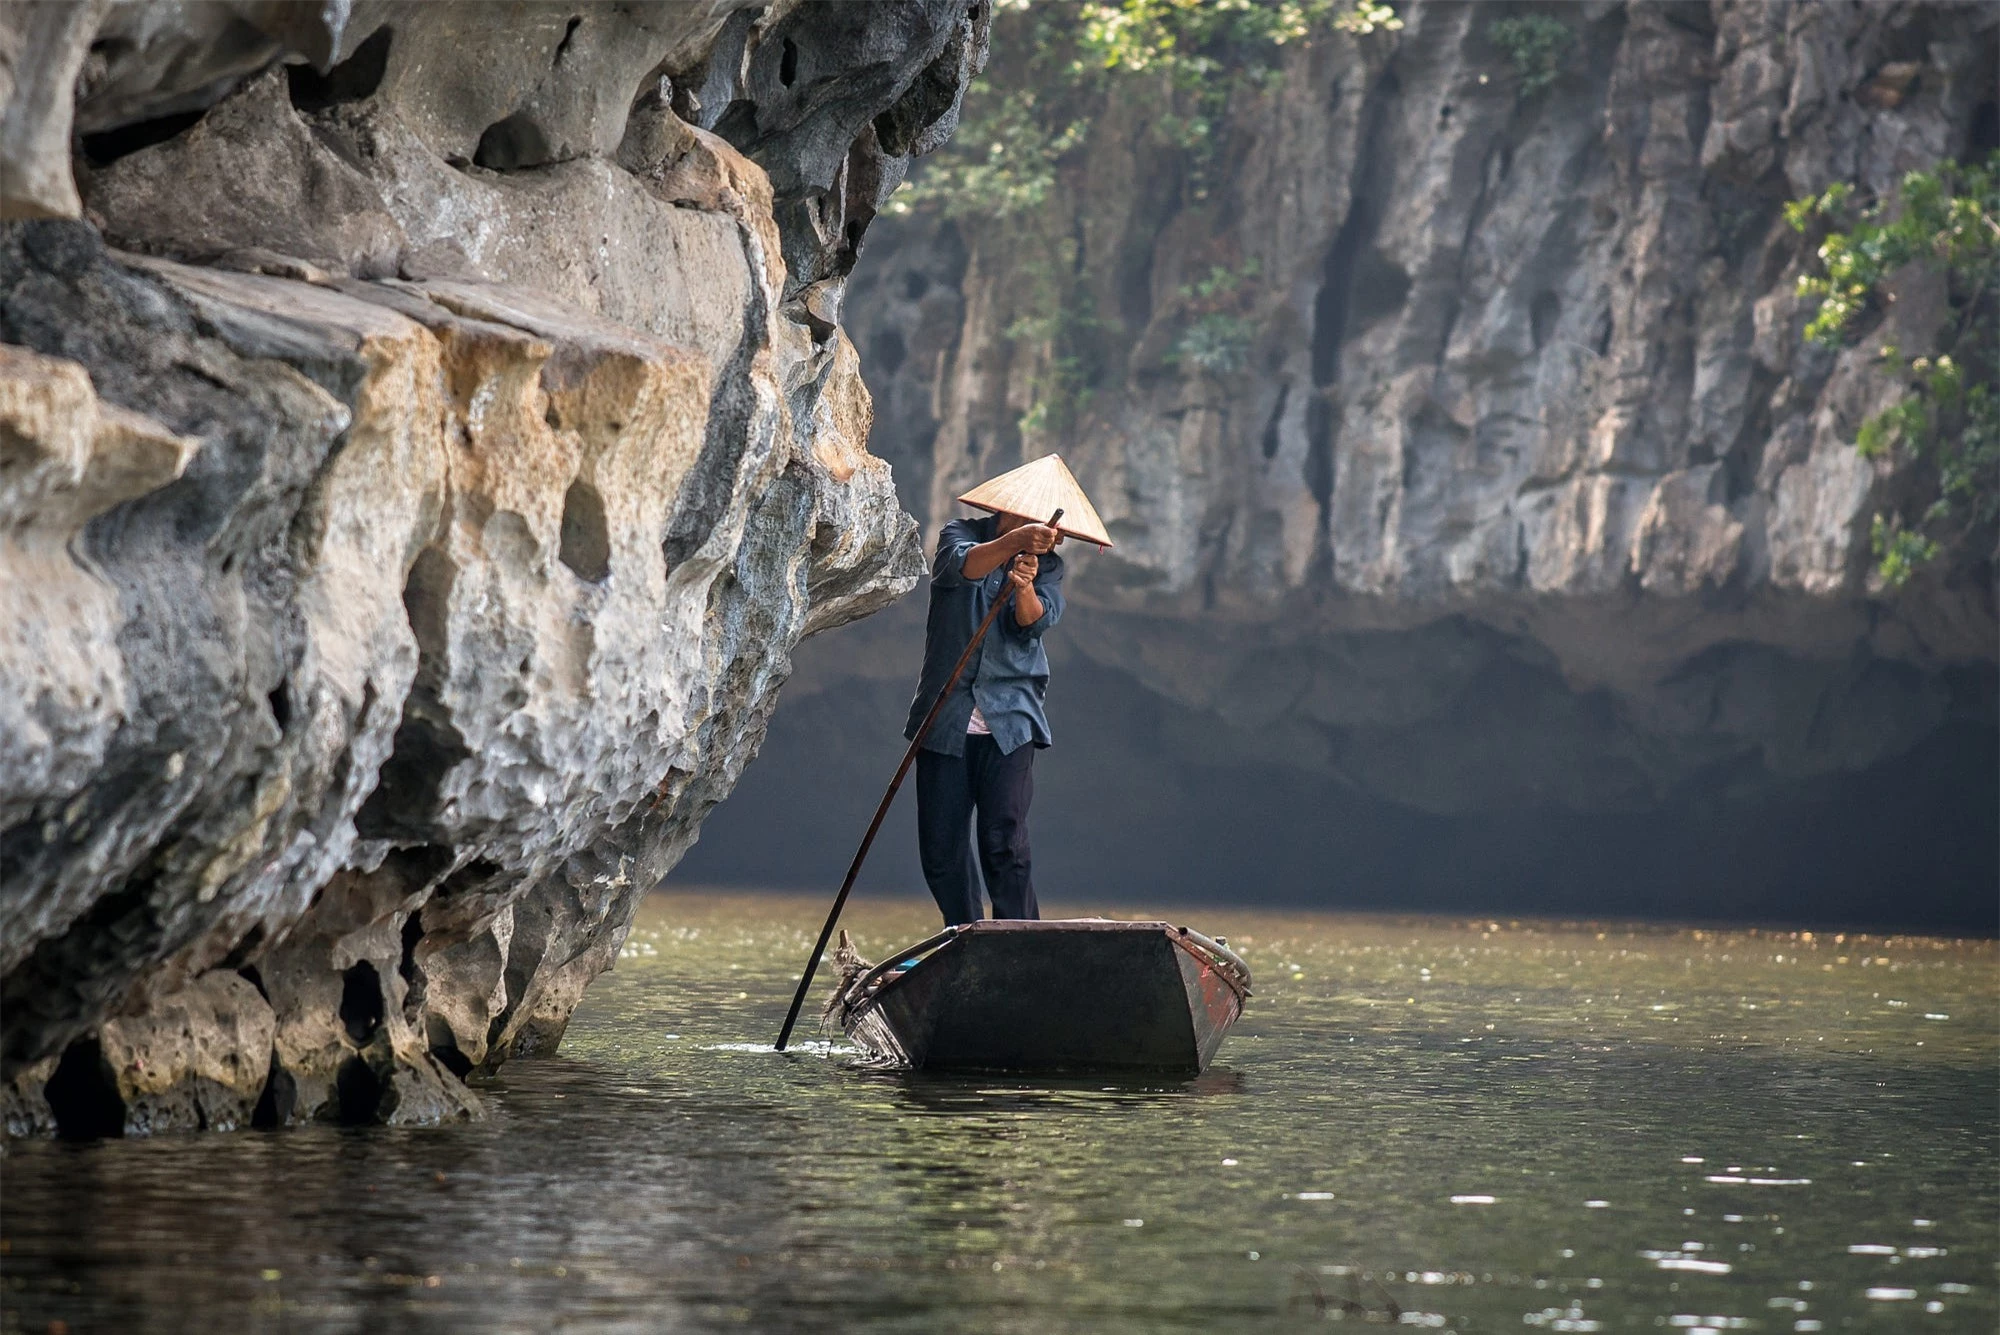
(1478, 1125)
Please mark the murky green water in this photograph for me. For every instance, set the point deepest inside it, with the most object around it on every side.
(1492, 1126)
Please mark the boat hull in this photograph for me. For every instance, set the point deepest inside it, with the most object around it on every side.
(1054, 997)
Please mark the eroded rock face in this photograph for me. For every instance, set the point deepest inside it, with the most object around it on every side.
(1523, 414)
(418, 467)
(1522, 561)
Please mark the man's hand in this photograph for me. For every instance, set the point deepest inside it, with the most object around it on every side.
(1021, 588)
(1021, 575)
(1022, 540)
(1035, 539)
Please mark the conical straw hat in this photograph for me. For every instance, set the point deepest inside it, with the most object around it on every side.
(1036, 491)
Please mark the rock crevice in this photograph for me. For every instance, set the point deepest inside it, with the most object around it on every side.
(423, 454)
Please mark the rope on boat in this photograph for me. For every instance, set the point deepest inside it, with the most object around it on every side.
(859, 979)
(851, 967)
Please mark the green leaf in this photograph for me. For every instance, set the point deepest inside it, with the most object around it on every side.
(1946, 424)
(1536, 44)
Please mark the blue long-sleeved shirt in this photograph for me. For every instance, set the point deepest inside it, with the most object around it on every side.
(1008, 677)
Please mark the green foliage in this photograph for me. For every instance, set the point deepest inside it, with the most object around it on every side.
(1899, 551)
(1219, 335)
(1189, 38)
(1057, 66)
(1367, 16)
(1216, 342)
(1536, 44)
(1059, 331)
(1021, 120)
(1946, 220)
(1221, 283)
(1060, 390)
(1203, 51)
(1009, 168)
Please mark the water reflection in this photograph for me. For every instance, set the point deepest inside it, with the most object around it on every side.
(959, 1095)
(1492, 1126)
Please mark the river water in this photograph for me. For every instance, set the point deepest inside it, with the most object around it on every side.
(1474, 1125)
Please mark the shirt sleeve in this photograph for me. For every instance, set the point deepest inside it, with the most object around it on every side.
(948, 566)
(1048, 588)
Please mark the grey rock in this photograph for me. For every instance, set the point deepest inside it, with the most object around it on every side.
(410, 522)
(193, 1060)
(24, 1102)
(1525, 449)
(289, 194)
(163, 59)
(43, 44)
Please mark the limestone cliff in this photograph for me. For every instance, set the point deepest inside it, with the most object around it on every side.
(1522, 492)
(425, 431)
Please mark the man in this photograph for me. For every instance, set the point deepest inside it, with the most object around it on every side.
(976, 765)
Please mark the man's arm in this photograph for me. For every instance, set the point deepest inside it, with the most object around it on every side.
(947, 563)
(1021, 580)
(1037, 606)
(1028, 539)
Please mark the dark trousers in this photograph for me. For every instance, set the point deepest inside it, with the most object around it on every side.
(950, 789)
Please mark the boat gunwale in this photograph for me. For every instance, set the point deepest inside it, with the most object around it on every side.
(867, 990)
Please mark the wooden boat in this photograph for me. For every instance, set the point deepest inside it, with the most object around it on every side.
(1070, 995)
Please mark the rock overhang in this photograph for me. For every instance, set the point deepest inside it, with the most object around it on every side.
(506, 488)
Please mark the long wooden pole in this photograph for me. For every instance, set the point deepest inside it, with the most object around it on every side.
(868, 839)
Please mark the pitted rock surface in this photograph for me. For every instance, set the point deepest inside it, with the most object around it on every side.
(422, 456)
